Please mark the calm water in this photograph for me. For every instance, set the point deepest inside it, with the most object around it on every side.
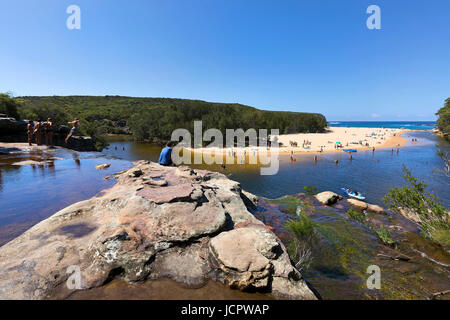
(371, 174)
(31, 193)
(413, 125)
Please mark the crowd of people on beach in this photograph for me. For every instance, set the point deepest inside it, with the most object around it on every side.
(40, 130)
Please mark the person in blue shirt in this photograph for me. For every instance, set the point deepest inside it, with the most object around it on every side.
(165, 158)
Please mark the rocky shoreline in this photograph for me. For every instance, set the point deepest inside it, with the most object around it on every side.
(12, 130)
(194, 228)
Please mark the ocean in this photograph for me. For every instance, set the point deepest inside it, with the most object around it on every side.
(412, 125)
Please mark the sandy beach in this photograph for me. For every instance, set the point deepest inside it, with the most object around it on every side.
(347, 138)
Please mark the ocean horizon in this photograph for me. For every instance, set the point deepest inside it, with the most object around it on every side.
(412, 125)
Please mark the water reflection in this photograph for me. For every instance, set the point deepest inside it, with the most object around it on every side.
(35, 185)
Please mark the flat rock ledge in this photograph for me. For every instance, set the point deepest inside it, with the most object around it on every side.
(195, 227)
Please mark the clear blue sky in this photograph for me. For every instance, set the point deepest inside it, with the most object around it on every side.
(314, 55)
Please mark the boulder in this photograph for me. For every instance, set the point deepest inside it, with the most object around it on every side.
(102, 166)
(195, 229)
(79, 143)
(250, 199)
(328, 197)
(360, 205)
(252, 258)
(375, 208)
(11, 125)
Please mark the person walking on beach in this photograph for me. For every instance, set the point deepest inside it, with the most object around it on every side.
(165, 158)
(48, 130)
(37, 132)
(30, 129)
(74, 129)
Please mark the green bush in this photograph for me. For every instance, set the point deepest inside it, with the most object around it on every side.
(302, 228)
(356, 215)
(311, 190)
(304, 237)
(413, 199)
(385, 236)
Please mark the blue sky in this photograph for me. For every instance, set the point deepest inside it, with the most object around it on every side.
(315, 55)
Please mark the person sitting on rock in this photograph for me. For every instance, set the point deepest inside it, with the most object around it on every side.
(165, 158)
(74, 129)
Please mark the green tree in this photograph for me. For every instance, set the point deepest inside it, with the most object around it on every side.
(414, 200)
(9, 106)
(444, 119)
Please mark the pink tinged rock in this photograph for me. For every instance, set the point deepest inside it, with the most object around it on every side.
(244, 249)
(167, 194)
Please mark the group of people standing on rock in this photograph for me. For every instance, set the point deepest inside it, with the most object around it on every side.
(44, 129)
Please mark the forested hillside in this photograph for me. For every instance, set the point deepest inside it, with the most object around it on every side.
(154, 119)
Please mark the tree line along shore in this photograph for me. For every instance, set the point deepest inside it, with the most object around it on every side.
(153, 119)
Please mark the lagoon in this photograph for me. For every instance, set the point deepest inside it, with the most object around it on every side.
(371, 174)
(31, 193)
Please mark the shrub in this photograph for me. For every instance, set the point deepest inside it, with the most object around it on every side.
(385, 236)
(303, 237)
(356, 215)
(413, 199)
(311, 190)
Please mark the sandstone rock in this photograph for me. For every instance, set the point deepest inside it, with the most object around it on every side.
(183, 171)
(135, 173)
(410, 215)
(195, 229)
(168, 194)
(102, 166)
(360, 205)
(375, 208)
(249, 198)
(328, 197)
(254, 258)
(78, 143)
(154, 182)
(11, 125)
(188, 265)
(30, 162)
(289, 289)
